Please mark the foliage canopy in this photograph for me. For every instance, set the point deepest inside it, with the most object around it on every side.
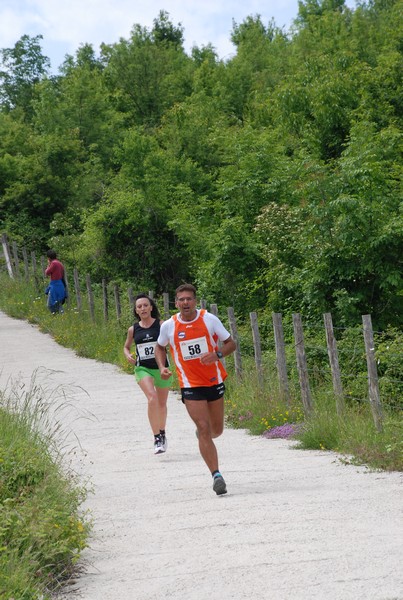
(273, 180)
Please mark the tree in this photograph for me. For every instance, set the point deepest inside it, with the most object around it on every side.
(165, 32)
(149, 72)
(22, 68)
(126, 238)
(80, 103)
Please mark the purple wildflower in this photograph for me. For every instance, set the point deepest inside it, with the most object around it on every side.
(285, 431)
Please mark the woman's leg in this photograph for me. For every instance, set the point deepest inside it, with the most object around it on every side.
(157, 398)
(162, 395)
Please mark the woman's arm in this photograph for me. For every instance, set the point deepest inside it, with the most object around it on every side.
(127, 346)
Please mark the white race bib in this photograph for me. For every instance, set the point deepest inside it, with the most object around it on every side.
(192, 349)
(146, 351)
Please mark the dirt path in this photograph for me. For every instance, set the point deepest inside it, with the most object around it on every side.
(295, 525)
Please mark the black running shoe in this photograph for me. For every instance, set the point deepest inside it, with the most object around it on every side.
(219, 485)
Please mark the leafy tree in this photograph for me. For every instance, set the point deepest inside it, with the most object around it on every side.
(165, 32)
(257, 66)
(126, 238)
(22, 68)
(272, 179)
(149, 72)
(80, 102)
(41, 182)
(317, 8)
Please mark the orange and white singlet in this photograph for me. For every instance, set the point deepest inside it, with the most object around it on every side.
(188, 340)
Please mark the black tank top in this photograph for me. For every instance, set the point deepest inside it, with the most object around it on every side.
(145, 339)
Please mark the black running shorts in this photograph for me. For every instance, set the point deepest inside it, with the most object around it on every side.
(209, 393)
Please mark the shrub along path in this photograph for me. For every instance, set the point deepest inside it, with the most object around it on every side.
(294, 524)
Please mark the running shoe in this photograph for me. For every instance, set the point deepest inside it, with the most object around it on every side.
(164, 443)
(158, 446)
(219, 485)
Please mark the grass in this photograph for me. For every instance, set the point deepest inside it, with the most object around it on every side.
(260, 411)
(353, 435)
(42, 529)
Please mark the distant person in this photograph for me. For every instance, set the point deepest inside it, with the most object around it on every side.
(57, 289)
(193, 335)
(145, 333)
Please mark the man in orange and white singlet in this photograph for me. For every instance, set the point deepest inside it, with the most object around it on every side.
(193, 335)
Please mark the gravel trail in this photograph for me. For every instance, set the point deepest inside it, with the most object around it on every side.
(295, 525)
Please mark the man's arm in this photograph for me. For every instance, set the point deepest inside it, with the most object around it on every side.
(229, 347)
(211, 357)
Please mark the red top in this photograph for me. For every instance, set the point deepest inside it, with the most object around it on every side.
(55, 270)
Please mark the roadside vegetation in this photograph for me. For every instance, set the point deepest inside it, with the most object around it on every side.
(42, 527)
(262, 411)
(271, 180)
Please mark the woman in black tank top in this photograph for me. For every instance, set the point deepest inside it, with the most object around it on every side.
(144, 333)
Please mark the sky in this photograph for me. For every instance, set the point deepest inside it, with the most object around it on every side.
(67, 25)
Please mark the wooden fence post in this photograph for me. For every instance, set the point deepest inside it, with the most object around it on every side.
(91, 303)
(131, 299)
(234, 334)
(43, 267)
(257, 348)
(35, 271)
(373, 387)
(66, 279)
(7, 255)
(214, 311)
(334, 363)
(203, 303)
(302, 364)
(151, 294)
(165, 297)
(77, 288)
(105, 303)
(281, 362)
(16, 260)
(117, 301)
(26, 264)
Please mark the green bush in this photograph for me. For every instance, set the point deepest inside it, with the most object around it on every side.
(42, 531)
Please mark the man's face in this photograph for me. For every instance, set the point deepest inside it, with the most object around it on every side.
(185, 302)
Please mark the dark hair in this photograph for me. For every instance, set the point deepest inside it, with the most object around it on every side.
(51, 254)
(154, 309)
(185, 287)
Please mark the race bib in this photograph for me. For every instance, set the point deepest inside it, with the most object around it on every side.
(192, 349)
(146, 351)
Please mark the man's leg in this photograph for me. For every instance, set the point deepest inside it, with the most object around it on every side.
(199, 412)
(216, 412)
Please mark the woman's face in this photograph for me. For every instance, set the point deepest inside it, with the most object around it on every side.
(143, 308)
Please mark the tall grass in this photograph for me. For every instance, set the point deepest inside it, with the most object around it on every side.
(259, 410)
(42, 528)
